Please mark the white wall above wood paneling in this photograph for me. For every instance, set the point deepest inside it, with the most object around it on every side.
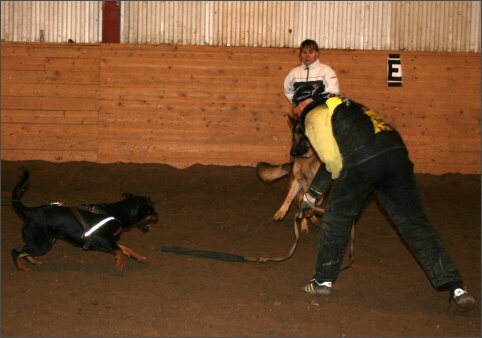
(80, 21)
(450, 26)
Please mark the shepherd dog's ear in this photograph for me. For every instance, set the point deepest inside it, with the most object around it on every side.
(293, 121)
(127, 195)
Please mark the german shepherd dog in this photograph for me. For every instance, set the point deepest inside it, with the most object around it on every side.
(94, 227)
(301, 171)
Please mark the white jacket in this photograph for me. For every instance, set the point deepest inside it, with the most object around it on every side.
(317, 72)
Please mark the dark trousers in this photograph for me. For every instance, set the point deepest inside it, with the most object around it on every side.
(391, 177)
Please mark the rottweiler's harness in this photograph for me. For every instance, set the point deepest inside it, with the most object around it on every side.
(88, 229)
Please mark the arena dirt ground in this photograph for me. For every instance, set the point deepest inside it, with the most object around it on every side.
(228, 209)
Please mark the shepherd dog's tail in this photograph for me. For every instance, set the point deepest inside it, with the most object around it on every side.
(269, 172)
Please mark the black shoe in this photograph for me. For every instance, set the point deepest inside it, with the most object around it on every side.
(316, 288)
(464, 300)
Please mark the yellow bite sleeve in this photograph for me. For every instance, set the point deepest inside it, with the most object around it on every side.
(319, 131)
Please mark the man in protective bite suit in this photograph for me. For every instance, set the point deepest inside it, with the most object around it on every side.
(361, 155)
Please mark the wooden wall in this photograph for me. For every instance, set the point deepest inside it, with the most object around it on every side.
(182, 105)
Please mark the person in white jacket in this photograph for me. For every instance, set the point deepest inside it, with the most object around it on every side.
(311, 71)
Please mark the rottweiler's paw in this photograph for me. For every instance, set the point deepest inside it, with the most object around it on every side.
(33, 261)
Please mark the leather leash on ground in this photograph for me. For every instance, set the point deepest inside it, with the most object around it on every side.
(237, 258)
(298, 217)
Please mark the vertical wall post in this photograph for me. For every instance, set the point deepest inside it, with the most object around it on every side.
(111, 21)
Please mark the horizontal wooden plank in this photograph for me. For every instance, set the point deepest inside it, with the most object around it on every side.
(49, 89)
(214, 60)
(207, 88)
(183, 114)
(202, 101)
(180, 127)
(437, 169)
(149, 79)
(49, 155)
(65, 50)
(458, 145)
(429, 85)
(415, 105)
(182, 154)
(211, 136)
(435, 150)
(425, 127)
(216, 92)
(450, 158)
(58, 117)
(72, 64)
(175, 68)
(199, 105)
(50, 103)
(447, 62)
(442, 79)
(185, 146)
(49, 136)
(22, 63)
(189, 54)
(50, 76)
(51, 144)
(169, 82)
(205, 115)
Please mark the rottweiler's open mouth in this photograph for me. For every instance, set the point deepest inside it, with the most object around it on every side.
(144, 223)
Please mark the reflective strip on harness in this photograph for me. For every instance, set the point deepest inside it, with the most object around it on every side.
(98, 225)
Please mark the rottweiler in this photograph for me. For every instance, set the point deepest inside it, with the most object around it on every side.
(93, 226)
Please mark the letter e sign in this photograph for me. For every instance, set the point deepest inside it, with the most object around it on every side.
(394, 70)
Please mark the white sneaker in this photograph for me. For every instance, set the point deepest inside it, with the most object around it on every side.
(316, 288)
(464, 300)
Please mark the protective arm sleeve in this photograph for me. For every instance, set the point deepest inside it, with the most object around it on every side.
(321, 182)
(319, 131)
